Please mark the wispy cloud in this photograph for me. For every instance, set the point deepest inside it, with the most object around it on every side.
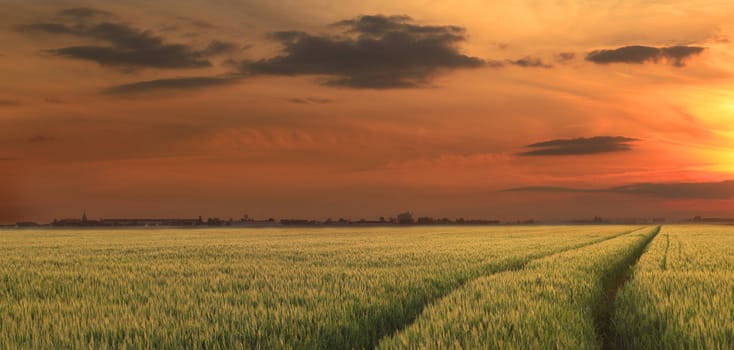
(529, 62)
(565, 57)
(676, 55)
(124, 45)
(198, 23)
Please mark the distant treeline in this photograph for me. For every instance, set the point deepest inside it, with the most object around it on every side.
(405, 218)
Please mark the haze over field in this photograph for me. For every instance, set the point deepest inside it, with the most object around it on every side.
(531, 109)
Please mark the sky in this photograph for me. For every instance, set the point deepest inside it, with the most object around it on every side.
(506, 110)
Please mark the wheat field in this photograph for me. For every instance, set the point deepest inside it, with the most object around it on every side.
(360, 288)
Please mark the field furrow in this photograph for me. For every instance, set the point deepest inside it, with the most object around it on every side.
(553, 302)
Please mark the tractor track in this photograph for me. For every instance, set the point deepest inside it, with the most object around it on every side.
(614, 281)
(510, 267)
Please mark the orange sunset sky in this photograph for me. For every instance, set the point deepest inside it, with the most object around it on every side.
(316, 109)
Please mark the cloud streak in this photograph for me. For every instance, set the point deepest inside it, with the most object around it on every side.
(9, 103)
(310, 100)
(674, 190)
(84, 13)
(41, 139)
(53, 100)
(171, 84)
(375, 52)
(201, 24)
(636, 54)
(580, 146)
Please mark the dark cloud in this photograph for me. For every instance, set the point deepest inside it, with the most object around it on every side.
(172, 84)
(676, 55)
(580, 146)
(125, 45)
(310, 100)
(529, 62)
(565, 57)
(674, 190)
(377, 52)
(131, 47)
(41, 138)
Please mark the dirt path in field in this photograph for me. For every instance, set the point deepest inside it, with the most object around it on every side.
(616, 280)
(511, 267)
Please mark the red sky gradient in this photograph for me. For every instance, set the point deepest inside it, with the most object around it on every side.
(359, 111)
